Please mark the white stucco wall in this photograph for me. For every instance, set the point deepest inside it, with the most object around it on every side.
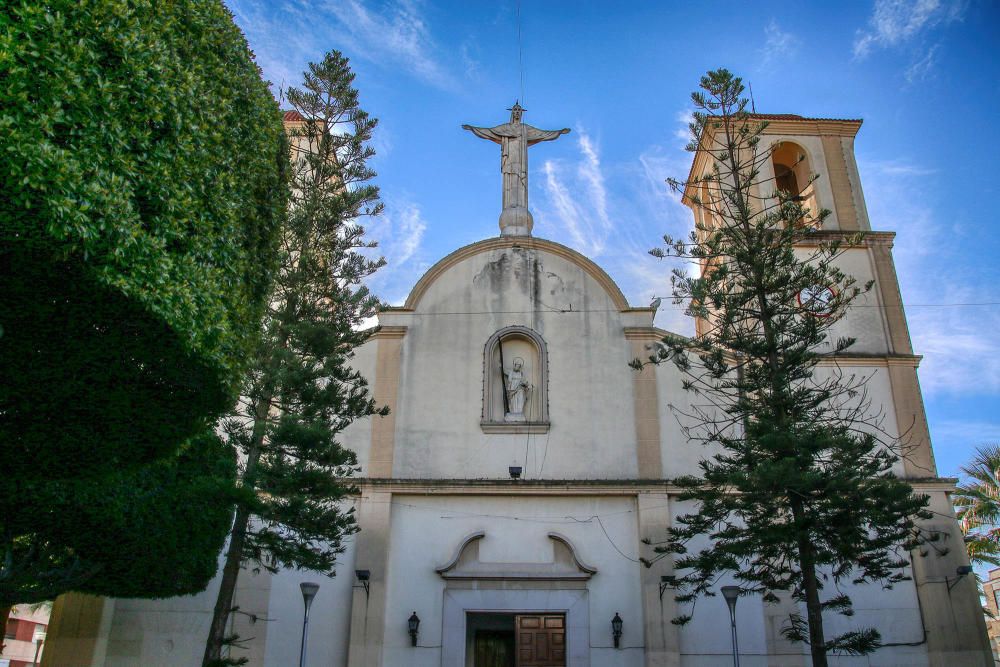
(591, 410)
(864, 320)
(330, 616)
(426, 531)
(358, 435)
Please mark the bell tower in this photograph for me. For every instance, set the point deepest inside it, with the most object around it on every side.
(801, 148)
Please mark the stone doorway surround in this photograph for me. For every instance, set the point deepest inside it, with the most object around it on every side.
(558, 587)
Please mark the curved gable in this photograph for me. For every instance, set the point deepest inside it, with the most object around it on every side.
(528, 242)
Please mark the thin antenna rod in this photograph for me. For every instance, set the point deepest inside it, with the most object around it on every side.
(753, 107)
(520, 56)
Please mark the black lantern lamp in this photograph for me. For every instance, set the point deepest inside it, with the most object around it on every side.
(667, 581)
(364, 576)
(414, 626)
(616, 629)
(961, 571)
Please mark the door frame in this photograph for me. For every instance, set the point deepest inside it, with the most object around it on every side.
(573, 603)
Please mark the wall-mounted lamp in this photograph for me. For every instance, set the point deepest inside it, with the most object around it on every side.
(616, 630)
(961, 571)
(667, 581)
(413, 623)
(364, 576)
(515, 472)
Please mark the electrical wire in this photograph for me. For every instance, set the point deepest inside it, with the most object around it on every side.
(575, 311)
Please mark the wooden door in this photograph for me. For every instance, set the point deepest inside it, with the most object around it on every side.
(541, 640)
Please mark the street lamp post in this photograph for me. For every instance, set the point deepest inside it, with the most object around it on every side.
(732, 593)
(308, 593)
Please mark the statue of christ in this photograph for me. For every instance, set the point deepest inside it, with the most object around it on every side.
(514, 138)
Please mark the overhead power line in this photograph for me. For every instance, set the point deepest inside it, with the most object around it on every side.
(574, 311)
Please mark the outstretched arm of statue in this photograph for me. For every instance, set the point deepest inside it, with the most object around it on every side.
(534, 135)
(484, 133)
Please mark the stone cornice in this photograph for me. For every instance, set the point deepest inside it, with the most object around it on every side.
(912, 360)
(813, 127)
(390, 331)
(868, 239)
(651, 334)
(647, 333)
(514, 427)
(567, 487)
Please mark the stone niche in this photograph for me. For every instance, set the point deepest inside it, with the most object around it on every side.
(520, 353)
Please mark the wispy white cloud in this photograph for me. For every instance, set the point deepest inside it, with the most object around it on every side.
(662, 207)
(577, 203)
(589, 171)
(894, 22)
(683, 130)
(972, 432)
(618, 212)
(392, 35)
(778, 44)
(397, 36)
(924, 67)
(958, 342)
(897, 167)
(954, 440)
(469, 51)
(399, 232)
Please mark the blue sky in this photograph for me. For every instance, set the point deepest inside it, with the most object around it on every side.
(922, 74)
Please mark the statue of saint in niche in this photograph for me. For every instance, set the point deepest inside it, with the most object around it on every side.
(517, 387)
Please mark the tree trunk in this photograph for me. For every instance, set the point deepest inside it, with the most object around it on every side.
(224, 601)
(237, 540)
(814, 610)
(4, 614)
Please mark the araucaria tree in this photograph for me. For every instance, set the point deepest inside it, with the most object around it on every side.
(796, 491)
(301, 392)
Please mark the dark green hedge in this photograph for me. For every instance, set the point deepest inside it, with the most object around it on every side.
(142, 185)
(147, 531)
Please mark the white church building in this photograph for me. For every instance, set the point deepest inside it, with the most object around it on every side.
(512, 523)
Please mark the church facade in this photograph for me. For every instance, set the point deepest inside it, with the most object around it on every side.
(525, 470)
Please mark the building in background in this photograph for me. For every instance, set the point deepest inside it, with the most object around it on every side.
(525, 470)
(991, 591)
(24, 637)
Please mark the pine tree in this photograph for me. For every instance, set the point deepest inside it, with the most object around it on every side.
(797, 490)
(302, 391)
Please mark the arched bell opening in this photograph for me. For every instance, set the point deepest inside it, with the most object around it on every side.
(793, 175)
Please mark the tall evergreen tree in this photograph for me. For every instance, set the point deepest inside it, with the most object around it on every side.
(797, 490)
(301, 392)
